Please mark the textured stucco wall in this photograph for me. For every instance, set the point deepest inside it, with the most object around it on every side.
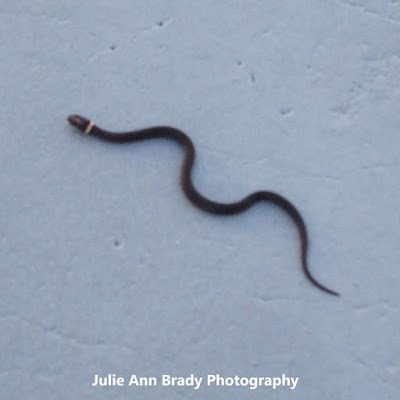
(105, 267)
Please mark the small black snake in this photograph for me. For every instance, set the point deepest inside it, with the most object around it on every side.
(88, 127)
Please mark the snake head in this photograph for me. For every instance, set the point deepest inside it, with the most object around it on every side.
(81, 123)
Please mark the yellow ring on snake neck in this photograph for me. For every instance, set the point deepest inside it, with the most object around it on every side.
(89, 127)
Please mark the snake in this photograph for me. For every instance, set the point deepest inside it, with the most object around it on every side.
(86, 126)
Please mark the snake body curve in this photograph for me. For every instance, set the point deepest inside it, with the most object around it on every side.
(203, 203)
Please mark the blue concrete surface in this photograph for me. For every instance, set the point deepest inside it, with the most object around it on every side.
(107, 268)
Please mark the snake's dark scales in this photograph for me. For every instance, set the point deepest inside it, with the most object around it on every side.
(85, 125)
